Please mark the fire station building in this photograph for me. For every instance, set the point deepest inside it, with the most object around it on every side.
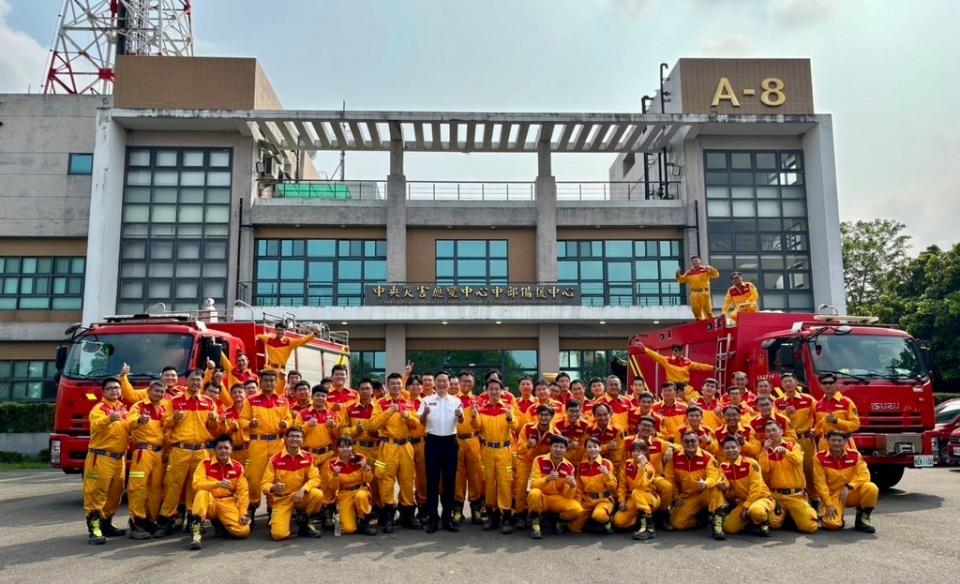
(191, 181)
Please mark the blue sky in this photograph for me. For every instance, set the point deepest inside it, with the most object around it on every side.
(887, 71)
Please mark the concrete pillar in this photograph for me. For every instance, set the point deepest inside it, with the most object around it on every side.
(823, 216)
(106, 209)
(240, 287)
(396, 347)
(548, 348)
(546, 192)
(396, 216)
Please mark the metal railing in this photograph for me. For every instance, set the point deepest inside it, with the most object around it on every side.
(470, 191)
(618, 190)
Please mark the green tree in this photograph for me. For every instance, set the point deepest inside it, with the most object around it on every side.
(874, 257)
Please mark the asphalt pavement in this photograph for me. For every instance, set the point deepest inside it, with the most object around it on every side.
(43, 539)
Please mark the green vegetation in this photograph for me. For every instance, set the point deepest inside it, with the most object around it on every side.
(26, 417)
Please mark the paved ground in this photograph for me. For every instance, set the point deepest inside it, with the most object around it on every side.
(42, 539)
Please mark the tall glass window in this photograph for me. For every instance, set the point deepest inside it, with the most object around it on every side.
(176, 227)
(372, 364)
(317, 272)
(41, 283)
(22, 380)
(757, 224)
(480, 262)
(512, 364)
(585, 364)
(622, 272)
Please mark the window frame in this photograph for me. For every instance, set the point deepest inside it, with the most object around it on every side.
(75, 156)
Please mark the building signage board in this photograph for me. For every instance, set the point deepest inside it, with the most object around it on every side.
(407, 294)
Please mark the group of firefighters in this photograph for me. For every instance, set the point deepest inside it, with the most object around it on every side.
(327, 455)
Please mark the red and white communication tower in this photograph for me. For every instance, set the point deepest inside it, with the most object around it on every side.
(93, 33)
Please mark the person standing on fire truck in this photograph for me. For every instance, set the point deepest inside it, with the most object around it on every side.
(742, 297)
(279, 347)
(698, 279)
(104, 468)
(676, 367)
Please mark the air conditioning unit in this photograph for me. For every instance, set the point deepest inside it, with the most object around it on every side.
(270, 168)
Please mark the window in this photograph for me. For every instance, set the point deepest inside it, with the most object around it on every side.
(472, 262)
(583, 365)
(757, 224)
(317, 272)
(41, 283)
(372, 364)
(33, 380)
(80, 164)
(622, 272)
(176, 228)
(512, 364)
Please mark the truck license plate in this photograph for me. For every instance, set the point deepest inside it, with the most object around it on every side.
(923, 461)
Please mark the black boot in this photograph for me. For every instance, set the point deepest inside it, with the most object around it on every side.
(388, 512)
(492, 521)
(196, 532)
(180, 520)
(446, 520)
(862, 523)
(665, 521)
(507, 526)
(644, 529)
(764, 529)
(94, 532)
(407, 521)
(476, 512)
(218, 529)
(310, 525)
(422, 514)
(458, 512)
(164, 527)
(364, 527)
(716, 525)
(535, 532)
(520, 520)
(109, 530)
(251, 513)
(139, 529)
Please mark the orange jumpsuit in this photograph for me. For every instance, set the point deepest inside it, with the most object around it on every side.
(831, 474)
(103, 470)
(266, 439)
(295, 472)
(633, 420)
(597, 491)
(611, 443)
(685, 472)
(802, 420)
(740, 300)
(759, 422)
(525, 456)
(226, 505)
(145, 484)
(344, 396)
(707, 441)
(620, 410)
(319, 439)
(417, 436)
(848, 420)
(636, 493)
(749, 446)
(366, 440)
(130, 395)
(395, 460)
(712, 417)
(698, 279)
(677, 369)
(529, 416)
(674, 417)
(574, 433)
(555, 495)
(743, 486)
(349, 488)
(238, 434)
(278, 351)
(469, 472)
(189, 438)
(658, 447)
(784, 474)
(495, 454)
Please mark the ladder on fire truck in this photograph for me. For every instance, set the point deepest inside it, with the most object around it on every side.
(723, 356)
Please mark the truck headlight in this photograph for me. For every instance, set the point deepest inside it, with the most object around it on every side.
(54, 452)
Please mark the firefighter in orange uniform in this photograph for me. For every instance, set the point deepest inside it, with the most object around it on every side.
(533, 440)
(267, 415)
(321, 428)
(526, 399)
(835, 411)
(396, 422)
(575, 429)
(842, 479)
(190, 424)
(672, 411)
(741, 481)
(291, 482)
(597, 485)
(708, 402)
(620, 405)
(542, 392)
(660, 453)
(469, 471)
(676, 367)
(366, 440)
(103, 471)
(553, 487)
(346, 484)
(168, 376)
(145, 485)
(694, 423)
(341, 397)
(279, 347)
(782, 465)
(496, 420)
(801, 410)
(414, 396)
(698, 279)
(222, 495)
(765, 414)
(750, 445)
(742, 297)
(578, 393)
(301, 397)
(637, 494)
(646, 401)
(695, 475)
(230, 422)
(607, 435)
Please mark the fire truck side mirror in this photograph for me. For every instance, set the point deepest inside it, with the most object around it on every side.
(61, 357)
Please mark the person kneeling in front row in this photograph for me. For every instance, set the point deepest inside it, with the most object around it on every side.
(841, 479)
(292, 483)
(221, 495)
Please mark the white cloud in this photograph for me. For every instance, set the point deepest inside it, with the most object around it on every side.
(803, 12)
(22, 59)
(727, 46)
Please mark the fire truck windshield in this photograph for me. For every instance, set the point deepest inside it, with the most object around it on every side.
(868, 356)
(97, 356)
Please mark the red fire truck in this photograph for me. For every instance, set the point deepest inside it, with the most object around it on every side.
(148, 343)
(880, 367)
